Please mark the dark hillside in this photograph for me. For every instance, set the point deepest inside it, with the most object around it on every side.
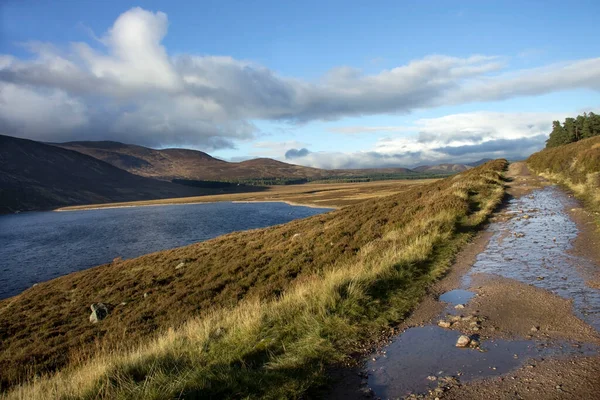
(37, 176)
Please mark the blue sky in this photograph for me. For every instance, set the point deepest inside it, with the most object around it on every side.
(357, 85)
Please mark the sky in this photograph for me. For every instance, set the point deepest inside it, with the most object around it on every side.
(329, 84)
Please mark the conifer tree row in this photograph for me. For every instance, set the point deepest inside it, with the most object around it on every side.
(574, 129)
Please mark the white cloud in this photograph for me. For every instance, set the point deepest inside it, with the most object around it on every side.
(276, 149)
(132, 90)
(29, 111)
(454, 138)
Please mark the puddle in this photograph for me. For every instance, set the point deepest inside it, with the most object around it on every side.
(406, 364)
(457, 296)
(532, 247)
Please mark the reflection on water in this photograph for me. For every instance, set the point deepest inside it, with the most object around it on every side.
(407, 365)
(457, 296)
(532, 247)
(39, 246)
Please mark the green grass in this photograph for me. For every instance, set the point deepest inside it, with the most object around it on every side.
(355, 272)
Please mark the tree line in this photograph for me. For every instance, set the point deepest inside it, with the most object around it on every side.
(574, 129)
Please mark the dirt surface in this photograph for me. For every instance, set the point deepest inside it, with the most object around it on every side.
(573, 378)
(557, 350)
(587, 244)
(511, 309)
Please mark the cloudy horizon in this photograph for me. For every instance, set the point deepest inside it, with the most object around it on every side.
(124, 83)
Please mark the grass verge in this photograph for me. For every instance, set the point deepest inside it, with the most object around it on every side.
(278, 346)
(576, 166)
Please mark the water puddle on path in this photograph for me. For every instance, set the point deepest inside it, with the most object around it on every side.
(410, 363)
(532, 247)
(457, 296)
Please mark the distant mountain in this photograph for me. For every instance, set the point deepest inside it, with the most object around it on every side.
(168, 164)
(442, 168)
(478, 163)
(36, 176)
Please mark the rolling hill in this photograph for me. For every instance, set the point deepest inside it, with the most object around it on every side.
(168, 164)
(36, 176)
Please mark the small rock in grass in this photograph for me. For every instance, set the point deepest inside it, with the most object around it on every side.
(535, 328)
(463, 341)
(99, 312)
(180, 265)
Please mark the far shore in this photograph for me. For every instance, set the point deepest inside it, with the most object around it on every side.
(113, 205)
(328, 196)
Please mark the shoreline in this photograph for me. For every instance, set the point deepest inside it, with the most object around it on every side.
(108, 206)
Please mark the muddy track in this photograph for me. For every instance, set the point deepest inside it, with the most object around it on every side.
(525, 294)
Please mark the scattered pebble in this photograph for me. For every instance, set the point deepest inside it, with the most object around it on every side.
(463, 341)
(444, 324)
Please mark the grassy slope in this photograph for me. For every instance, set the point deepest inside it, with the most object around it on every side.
(576, 165)
(273, 306)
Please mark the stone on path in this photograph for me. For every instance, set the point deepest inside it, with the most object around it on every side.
(444, 324)
(463, 341)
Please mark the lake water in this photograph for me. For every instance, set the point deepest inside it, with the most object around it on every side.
(38, 246)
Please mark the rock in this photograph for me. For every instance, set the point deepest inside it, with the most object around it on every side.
(146, 294)
(432, 378)
(180, 265)
(444, 324)
(474, 343)
(459, 306)
(455, 318)
(535, 328)
(99, 312)
(463, 341)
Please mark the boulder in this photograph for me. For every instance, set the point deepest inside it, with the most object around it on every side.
(99, 312)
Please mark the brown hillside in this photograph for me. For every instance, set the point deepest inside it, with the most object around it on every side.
(170, 164)
(36, 176)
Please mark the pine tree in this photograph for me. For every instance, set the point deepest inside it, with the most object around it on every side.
(558, 136)
(586, 131)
